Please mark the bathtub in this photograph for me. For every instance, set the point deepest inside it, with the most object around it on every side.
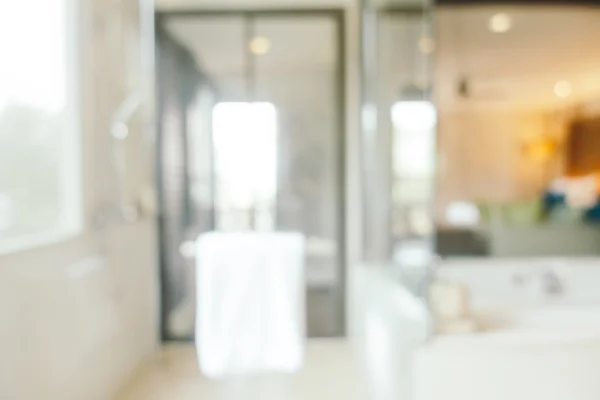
(528, 346)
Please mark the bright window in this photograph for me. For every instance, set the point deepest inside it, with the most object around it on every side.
(245, 140)
(413, 154)
(39, 142)
(414, 125)
(462, 213)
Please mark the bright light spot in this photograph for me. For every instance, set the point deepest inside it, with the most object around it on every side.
(414, 124)
(540, 150)
(369, 117)
(500, 23)
(245, 137)
(426, 45)
(462, 213)
(33, 70)
(260, 46)
(378, 349)
(413, 253)
(120, 131)
(413, 154)
(414, 116)
(188, 249)
(563, 89)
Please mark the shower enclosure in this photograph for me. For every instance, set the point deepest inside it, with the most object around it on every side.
(398, 133)
(251, 138)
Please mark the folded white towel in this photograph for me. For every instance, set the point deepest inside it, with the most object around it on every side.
(251, 303)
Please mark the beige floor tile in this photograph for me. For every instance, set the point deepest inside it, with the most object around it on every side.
(330, 372)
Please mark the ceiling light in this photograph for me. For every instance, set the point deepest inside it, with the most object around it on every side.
(500, 23)
(563, 89)
(426, 45)
(259, 45)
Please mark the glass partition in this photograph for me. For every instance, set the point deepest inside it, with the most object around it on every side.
(399, 133)
(265, 149)
(519, 131)
(399, 123)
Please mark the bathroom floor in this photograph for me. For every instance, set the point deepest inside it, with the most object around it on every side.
(330, 372)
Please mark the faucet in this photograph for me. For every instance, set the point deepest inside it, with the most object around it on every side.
(551, 283)
(428, 279)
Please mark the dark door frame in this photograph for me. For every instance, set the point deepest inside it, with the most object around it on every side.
(339, 17)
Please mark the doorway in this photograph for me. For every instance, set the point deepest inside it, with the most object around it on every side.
(251, 137)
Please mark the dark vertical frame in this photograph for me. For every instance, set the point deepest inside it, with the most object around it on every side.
(338, 16)
(342, 132)
(177, 83)
(365, 29)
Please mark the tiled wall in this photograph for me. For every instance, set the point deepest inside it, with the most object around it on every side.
(77, 317)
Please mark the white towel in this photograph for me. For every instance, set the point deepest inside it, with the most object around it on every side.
(251, 303)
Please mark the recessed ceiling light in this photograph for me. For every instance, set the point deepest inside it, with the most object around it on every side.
(426, 45)
(500, 23)
(259, 45)
(563, 89)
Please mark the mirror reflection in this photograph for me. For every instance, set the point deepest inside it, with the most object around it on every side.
(518, 96)
(406, 130)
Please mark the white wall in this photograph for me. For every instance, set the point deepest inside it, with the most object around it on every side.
(77, 317)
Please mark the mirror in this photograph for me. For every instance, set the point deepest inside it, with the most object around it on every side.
(517, 89)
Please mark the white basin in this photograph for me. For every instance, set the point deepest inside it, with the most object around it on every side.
(550, 353)
(534, 326)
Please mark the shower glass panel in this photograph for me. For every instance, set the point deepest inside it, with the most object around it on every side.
(399, 134)
(273, 160)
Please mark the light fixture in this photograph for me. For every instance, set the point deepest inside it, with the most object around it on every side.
(426, 45)
(259, 45)
(500, 23)
(563, 89)
(540, 150)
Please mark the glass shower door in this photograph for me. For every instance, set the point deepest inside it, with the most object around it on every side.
(301, 75)
(276, 142)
